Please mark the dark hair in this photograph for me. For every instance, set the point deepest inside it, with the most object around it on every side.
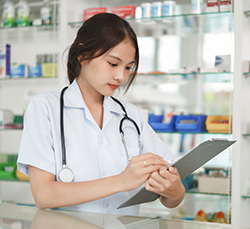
(96, 36)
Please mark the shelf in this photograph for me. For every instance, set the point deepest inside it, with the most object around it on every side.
(9, 129)
(246, 135)
(221, 77)
(26, 78)
(162, 132)
(161, 19)
(247, 196)
(193, 73)
(42, 27)
(195, 191)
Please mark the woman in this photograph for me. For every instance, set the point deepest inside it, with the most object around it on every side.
(103, 57)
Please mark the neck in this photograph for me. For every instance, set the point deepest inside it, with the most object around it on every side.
(91, 97)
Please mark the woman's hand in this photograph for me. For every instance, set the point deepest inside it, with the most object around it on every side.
(139, 170)
(166, 183)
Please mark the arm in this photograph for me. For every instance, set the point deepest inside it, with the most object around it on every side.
(49, 193)
(167, 183)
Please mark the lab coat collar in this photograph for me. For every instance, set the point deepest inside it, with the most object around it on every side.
(73, 96)
(112, 105)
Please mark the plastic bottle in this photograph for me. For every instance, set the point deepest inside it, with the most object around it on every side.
(8, 14)
(23, 12)
(46, 13)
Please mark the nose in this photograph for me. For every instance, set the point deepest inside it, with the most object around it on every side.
(119, 74)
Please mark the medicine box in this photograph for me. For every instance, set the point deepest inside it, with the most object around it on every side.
(6, 116)
(124, 11)
(191, 123)
(209, 184)
(49, 69)
(88, 13)
(8, 170)
(155, 121)
(223, 63)
(4, 61)
(218, 124)
(19, 71)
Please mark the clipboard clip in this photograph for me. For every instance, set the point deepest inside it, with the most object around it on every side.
(219, 139)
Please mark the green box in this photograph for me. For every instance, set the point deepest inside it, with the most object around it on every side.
(8, 175)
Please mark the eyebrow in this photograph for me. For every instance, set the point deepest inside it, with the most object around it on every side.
(117, 58)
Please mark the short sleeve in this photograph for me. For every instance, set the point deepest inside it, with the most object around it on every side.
(151, 142)
(36, 147)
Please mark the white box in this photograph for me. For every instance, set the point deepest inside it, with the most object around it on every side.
(6, 116)
(214, 185)
(223, 63)
(246, 66)
(4, 61)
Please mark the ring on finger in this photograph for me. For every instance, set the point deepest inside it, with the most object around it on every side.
(145, 163)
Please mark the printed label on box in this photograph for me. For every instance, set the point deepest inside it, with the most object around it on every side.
(4, 61)
(88, 13)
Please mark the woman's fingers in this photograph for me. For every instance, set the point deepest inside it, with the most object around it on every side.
(148, 159)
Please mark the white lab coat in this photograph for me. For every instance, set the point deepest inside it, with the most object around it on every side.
(91, 152)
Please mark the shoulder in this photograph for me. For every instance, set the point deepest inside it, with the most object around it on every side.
(45, 98)
(45, 101)
(48, 96)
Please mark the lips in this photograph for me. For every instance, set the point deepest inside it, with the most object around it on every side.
(113, 86)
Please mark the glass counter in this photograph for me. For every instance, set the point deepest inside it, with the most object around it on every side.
(16, 216)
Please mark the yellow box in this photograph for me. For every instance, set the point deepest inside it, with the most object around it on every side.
(218, 127)
(49, 69)
(21, 176)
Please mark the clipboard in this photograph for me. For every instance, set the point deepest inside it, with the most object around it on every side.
(185, 165)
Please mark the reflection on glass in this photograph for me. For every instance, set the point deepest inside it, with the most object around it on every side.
(55, 219)
(51, 220)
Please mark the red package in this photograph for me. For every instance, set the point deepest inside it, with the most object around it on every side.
(124, 11)
(88, 13)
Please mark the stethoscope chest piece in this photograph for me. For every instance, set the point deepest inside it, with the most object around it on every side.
(66, 175)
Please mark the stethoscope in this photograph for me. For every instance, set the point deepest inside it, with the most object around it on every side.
(66, 174)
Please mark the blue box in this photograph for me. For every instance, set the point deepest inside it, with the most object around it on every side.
(155, 121)
(191, 123)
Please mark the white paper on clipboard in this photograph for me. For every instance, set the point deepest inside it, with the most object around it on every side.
(185, 165)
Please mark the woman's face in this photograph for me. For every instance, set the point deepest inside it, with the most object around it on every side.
(104, 74)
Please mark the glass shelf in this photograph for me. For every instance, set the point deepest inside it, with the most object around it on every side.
(192, 73)
(166, 132)
(42, 27)
(246, 135)
(159, 19)
(27, 78)
(10, 129)
(196, 191)
(247, 196)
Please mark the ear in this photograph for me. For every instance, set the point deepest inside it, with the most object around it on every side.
(80, 57)
(81, 60)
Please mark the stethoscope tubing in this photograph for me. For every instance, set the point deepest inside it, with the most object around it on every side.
(69, 174)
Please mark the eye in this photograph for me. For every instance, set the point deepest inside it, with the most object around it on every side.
(112, 65)
(129, 68)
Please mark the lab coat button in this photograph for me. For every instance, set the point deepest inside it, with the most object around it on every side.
(103, 173)
(107, 204)
(101, 141)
